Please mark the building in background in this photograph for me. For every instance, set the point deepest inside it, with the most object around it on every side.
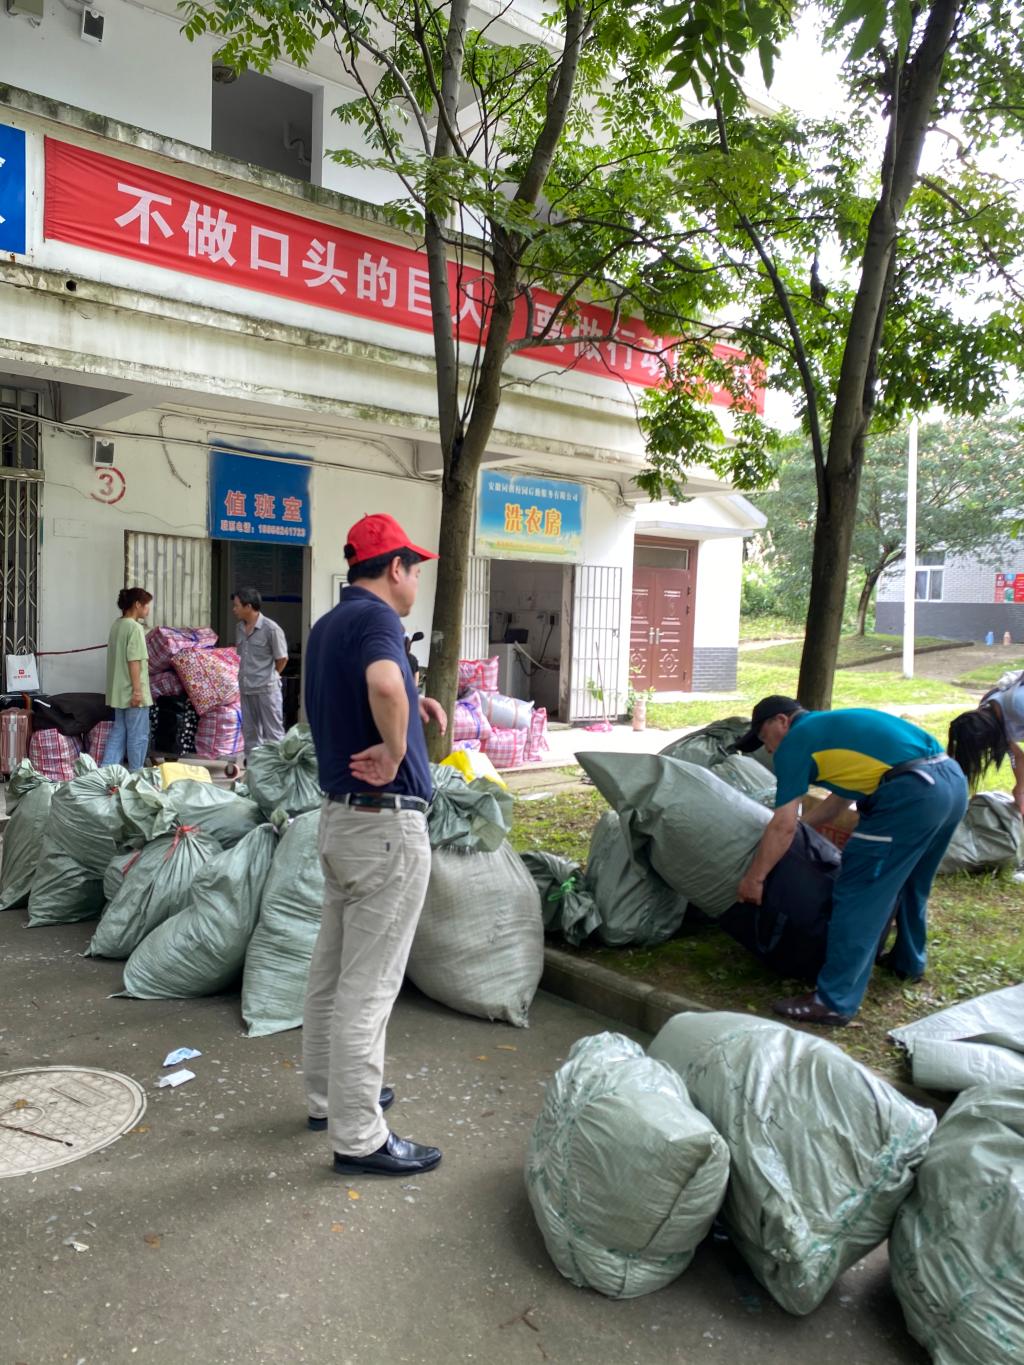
(217, 355)
(959, 597)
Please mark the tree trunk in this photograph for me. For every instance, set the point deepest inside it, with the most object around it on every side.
(446, 634)
(833, 536)
(871, 577)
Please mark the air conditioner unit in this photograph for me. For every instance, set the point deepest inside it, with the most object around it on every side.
(92, 25)
(102, 453)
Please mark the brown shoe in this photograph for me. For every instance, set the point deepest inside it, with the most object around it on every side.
(808, 1009)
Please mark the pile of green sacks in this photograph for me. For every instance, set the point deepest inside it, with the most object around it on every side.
(806, 1156)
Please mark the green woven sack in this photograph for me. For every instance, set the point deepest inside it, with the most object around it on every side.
(201, 950)
(28, 804)
(155, 883)
(223, 815)
(567, 906)
(957, 1250)
(823, 1150)
(283, 775)
(85, 830)
(633, 904)
(277, 959)
(624, 1175)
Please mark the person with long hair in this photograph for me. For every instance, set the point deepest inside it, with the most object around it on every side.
(128, 681)
(982, 738)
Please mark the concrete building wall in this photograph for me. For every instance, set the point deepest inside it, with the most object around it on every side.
(144, 72)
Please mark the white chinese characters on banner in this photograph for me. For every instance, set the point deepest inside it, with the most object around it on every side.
(376, 280)
(261, 239)
(144, 213)
(209, 234)
(320, 260)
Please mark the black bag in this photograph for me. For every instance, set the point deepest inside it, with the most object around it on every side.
(172, 726)
(788, 931)
(72, 713)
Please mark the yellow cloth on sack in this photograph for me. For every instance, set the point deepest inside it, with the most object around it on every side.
(174, 772)
(472, 764)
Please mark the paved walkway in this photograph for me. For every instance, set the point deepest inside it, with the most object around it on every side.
(217, 1233)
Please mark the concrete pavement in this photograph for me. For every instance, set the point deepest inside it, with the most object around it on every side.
(217, 1233)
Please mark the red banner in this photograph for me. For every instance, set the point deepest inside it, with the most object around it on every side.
(127, 210)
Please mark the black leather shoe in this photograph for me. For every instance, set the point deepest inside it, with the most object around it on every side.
(398, 1156)
(886, 962)
(387, 1099)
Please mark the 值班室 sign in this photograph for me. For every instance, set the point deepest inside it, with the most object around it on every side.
(12, 189)
(523, 517)
(259, 498)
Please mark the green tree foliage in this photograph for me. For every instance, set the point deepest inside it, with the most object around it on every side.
(543, 160)
(970, 482)
(874, 260)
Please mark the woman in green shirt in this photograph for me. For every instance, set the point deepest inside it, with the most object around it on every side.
(128, 681)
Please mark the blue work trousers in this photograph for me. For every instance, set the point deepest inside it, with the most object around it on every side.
(889, 863)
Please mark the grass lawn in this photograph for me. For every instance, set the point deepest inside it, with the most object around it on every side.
(975, 943)
(991, 673)
(853, 649)
(760, 678)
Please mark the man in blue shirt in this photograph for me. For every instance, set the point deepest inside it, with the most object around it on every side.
(911, 798)
(367, 721)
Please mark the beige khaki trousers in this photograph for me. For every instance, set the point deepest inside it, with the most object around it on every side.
(376, 866)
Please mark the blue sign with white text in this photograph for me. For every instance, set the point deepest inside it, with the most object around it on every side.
(520, 516)
(255, 497)
(12, 189)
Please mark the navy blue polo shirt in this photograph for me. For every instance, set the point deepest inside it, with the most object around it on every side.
(360, 631)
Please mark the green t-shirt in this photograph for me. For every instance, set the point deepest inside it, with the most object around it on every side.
(127, 641)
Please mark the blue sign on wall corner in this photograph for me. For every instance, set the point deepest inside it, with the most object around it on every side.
(12, 189)
(259, 498)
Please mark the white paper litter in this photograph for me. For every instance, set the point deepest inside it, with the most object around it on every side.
(177, 1077)
(181, 1054)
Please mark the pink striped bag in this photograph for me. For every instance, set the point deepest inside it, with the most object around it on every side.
(96, 739)
(506, 748)
(163, 642)
(537, 735)
(166, 684)
(470, 721)
(53, 754)
(479, 673)
(219, 732)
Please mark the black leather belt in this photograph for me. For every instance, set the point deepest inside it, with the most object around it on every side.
(380, 801)
(915, 765)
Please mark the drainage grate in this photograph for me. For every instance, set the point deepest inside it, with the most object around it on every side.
(52, 1115)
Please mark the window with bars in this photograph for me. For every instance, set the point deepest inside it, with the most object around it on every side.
(928, 576)
(19, 429)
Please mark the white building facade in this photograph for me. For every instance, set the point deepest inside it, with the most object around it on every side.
(216, 356)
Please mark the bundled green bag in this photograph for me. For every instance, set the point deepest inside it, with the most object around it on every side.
(624, 1175)
(85, 829)
(28, 804)
(823, 1150)
(712, 748)
(222, 815)
(633, 904)
(200, 950)
(155, 884)
(567, 906)
(991, 834)
(698, 833)
(957, 1250)
(472, 816)
(479, 945)
(117, 869)
(279, 953)
(283, 775)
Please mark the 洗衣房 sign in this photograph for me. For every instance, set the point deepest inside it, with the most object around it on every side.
(523, 517)
(12, 189)
(259, 498)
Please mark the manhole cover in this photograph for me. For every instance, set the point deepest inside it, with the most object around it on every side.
(56, 1114)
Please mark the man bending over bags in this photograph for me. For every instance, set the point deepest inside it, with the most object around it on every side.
(910, 796)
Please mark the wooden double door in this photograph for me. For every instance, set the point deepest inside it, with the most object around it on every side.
(661, 627)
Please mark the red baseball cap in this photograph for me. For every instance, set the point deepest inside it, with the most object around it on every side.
(378, 535)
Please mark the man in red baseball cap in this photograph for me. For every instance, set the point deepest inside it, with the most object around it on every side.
(367, 721)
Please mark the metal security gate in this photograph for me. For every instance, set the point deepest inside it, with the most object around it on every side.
(19, 563)
(177, 570)
(595, 596)
(476, 609)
